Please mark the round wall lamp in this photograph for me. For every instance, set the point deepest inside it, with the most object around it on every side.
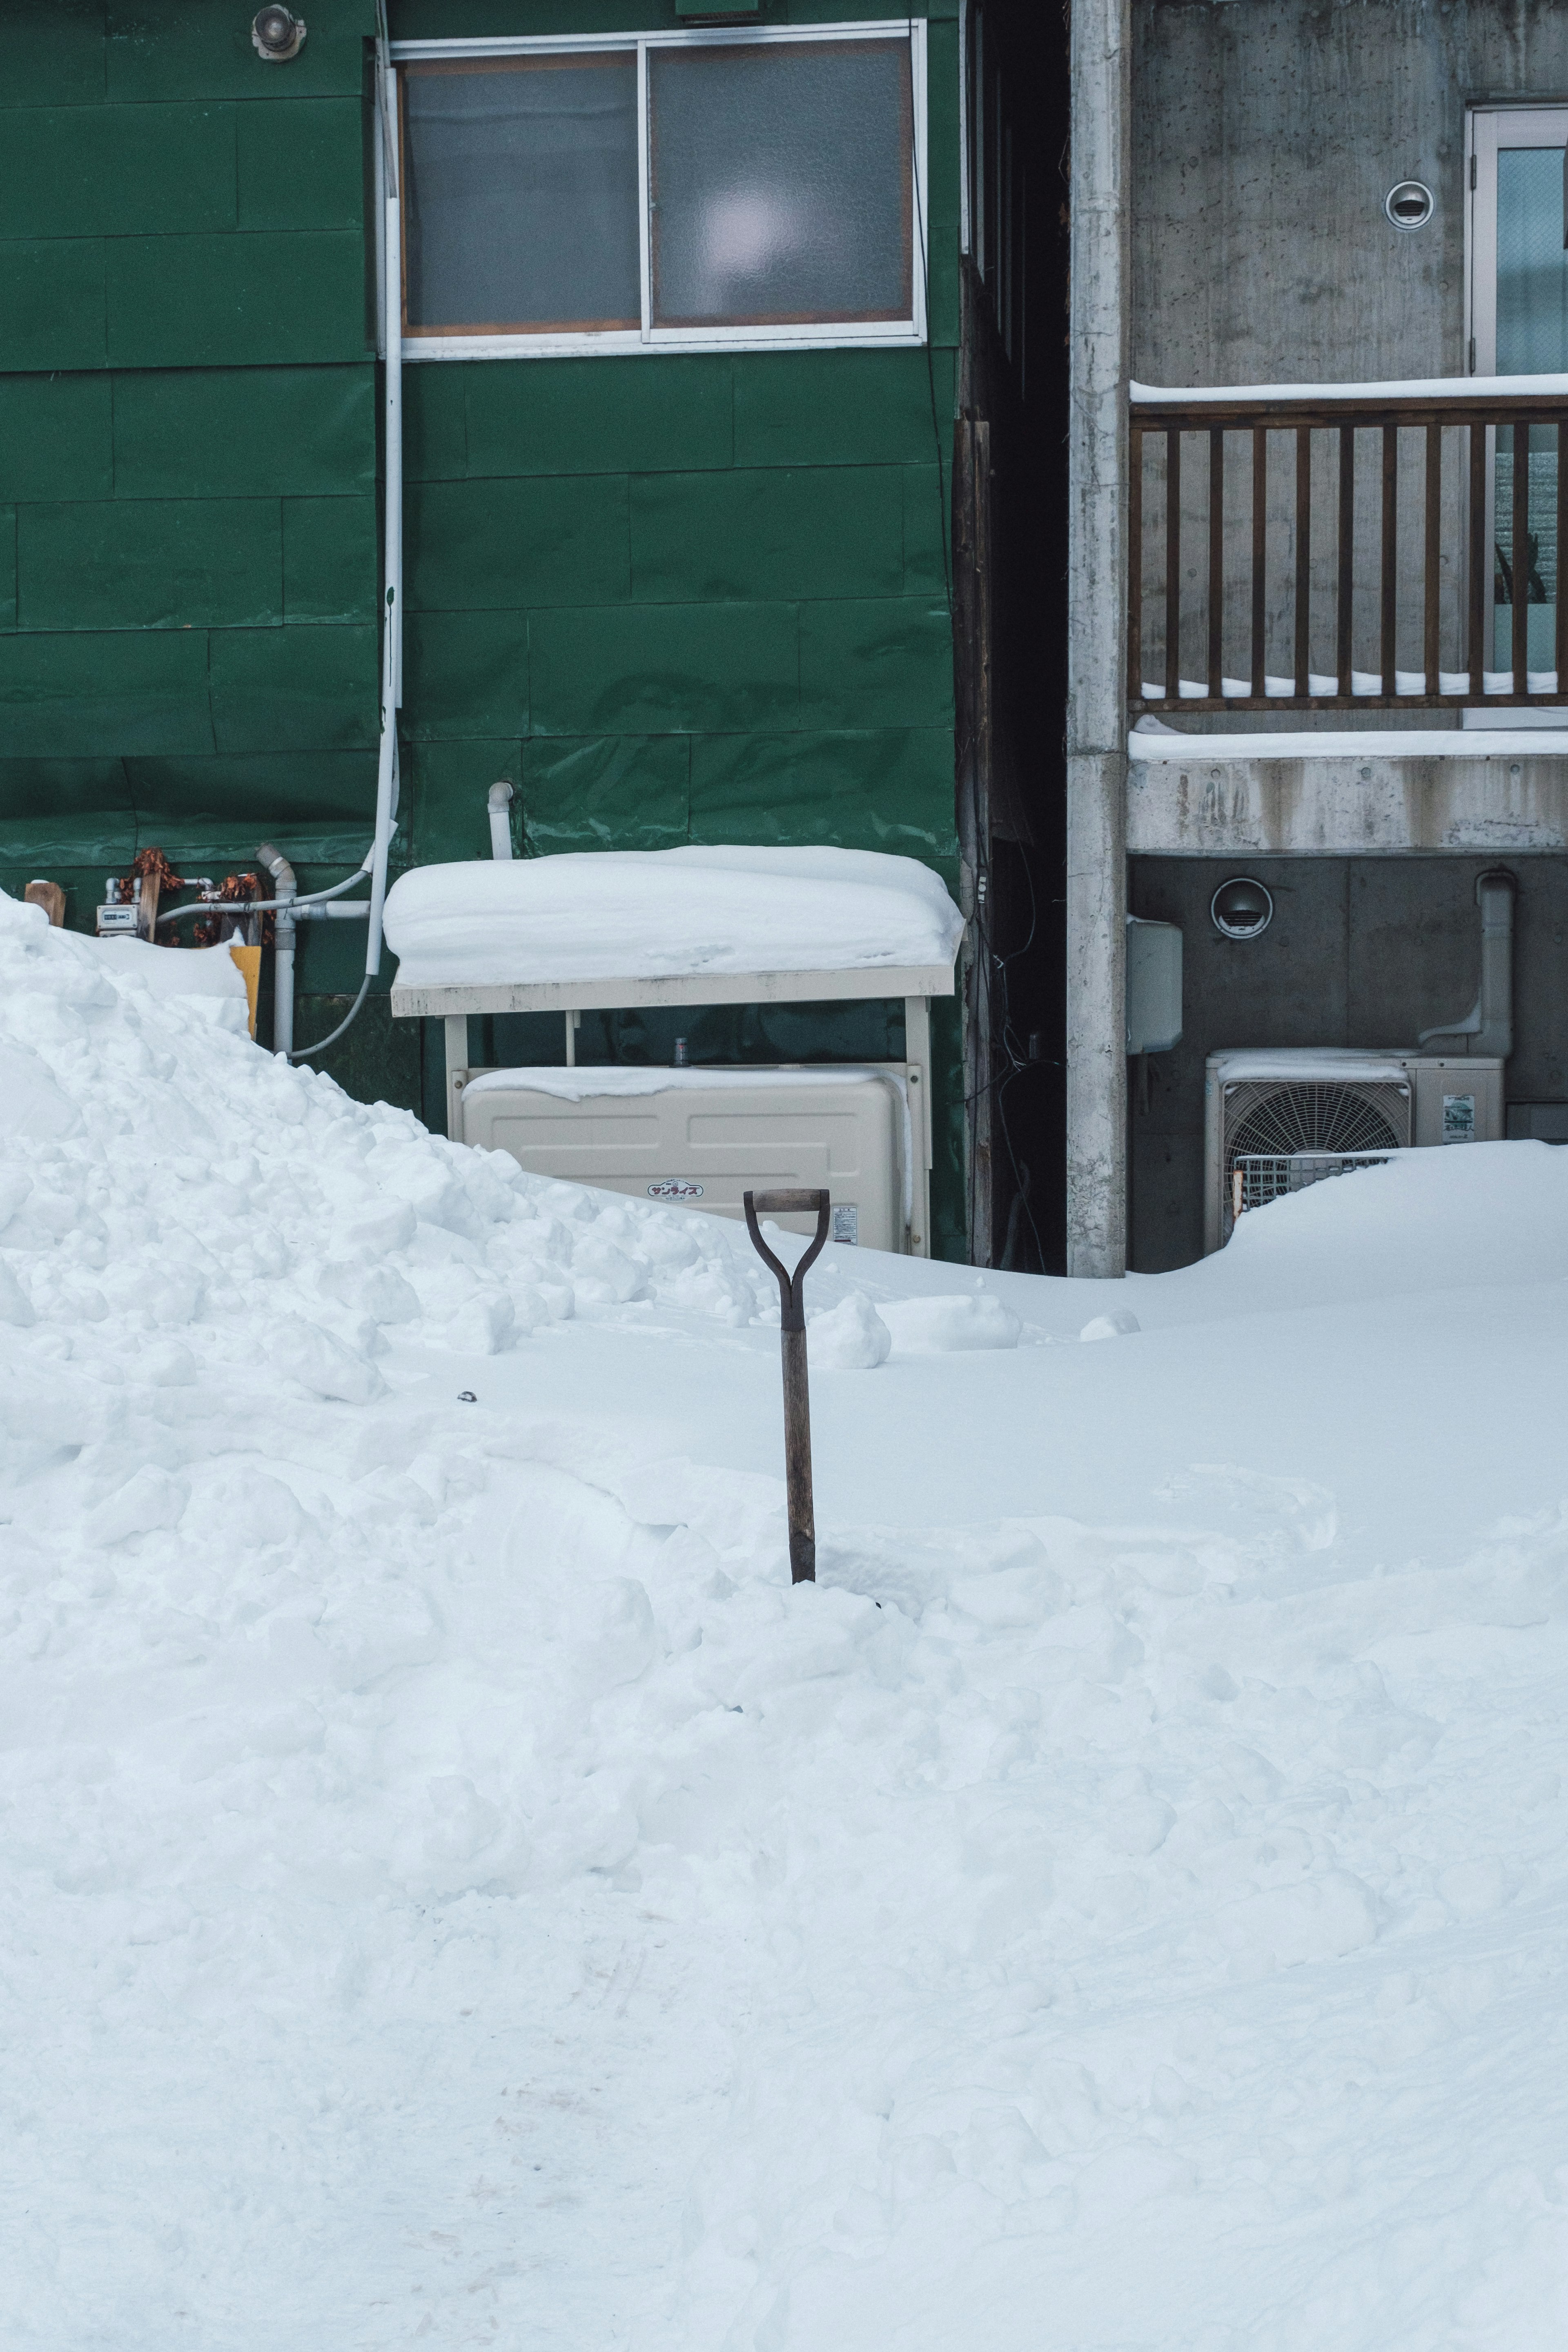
(1241, 908)
(276, 34)
(1409, 205)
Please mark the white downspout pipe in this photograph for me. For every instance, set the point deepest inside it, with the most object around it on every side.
(499, 804)
(288, 889)
(392, 596)
(1488, 1026)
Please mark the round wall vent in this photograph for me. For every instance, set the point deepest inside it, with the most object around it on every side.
(1409, 203)
(276, 34)
(1241, 908)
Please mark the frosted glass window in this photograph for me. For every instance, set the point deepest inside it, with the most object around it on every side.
(521, 194)
(779, 183)
(1531, 266)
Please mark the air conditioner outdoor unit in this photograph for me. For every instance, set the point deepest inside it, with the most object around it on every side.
(1277, 1120)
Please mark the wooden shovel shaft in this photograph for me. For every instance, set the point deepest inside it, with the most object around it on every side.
(797, 1460)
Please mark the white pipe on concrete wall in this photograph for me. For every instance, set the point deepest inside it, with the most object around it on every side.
(1488, 1026)
(1097, 605)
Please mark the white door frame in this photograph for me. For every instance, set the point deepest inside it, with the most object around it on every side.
(1489, 128)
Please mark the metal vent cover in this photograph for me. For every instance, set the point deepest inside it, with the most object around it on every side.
(1291, 1116)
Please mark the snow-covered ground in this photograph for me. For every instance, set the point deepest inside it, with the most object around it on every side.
(454, 1893)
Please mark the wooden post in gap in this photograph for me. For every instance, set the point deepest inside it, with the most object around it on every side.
(50, 897)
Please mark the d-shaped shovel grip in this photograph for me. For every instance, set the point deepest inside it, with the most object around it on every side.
(792, 1291)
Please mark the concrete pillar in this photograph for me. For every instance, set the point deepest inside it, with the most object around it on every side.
(1097, 641)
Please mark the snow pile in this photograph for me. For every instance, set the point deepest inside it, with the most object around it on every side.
(644, 914)
(454, 1891)
(159, 1169)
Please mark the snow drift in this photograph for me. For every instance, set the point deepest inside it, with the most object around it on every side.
(456, 1891)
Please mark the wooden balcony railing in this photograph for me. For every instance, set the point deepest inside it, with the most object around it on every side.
(1369, 548)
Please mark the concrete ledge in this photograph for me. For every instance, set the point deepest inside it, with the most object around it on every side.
(1209, 800)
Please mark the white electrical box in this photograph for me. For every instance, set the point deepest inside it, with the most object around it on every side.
(701, 1138)
(1153, 986)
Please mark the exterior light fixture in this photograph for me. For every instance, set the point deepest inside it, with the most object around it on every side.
(1409, 205)
(1241, 908)
(276, 34)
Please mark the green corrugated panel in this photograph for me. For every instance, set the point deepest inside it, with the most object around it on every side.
(198, 48)
(617, 792)
(890, 790)
(58, 794)
(297, 792)
(212, 433)
(54, 53)
(633, 414)
(117, 170)
(660, 669)
(151, 563)
(768, 533)
(842, 408)
(559, 540)
(55, 437)
(927, 531)
(435, 420)
(7, 567)
(465, 674)
(51, 303)
(303, 166)
(445, 786)
(108, 693)
(887, 664)
(379, 1059)
(237, 300)
(331, 562)
(299, 688)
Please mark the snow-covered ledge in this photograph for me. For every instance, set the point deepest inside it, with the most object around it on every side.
(1346, 793)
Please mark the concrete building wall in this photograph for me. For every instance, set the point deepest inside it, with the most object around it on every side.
(1265, 137)
(1361, 952)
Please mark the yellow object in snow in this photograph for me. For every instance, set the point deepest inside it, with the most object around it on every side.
(249, 961)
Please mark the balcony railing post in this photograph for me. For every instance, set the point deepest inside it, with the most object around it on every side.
(1216, 561)
(1135, 564)
(1520, 629)
(1173, 566)
(1480, 563)
(1560, 635)
(1259, 538)
(1432, 563)
(1344, 594)
(1559, 649)
(1388, 603)
(1303, 558)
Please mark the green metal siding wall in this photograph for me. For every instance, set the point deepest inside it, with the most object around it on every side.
(673, 598)
(188, 542)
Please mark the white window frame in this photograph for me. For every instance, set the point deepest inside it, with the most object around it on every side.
(1491, 127)
(901, 333)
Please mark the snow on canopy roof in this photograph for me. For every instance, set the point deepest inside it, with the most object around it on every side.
(609, 914)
